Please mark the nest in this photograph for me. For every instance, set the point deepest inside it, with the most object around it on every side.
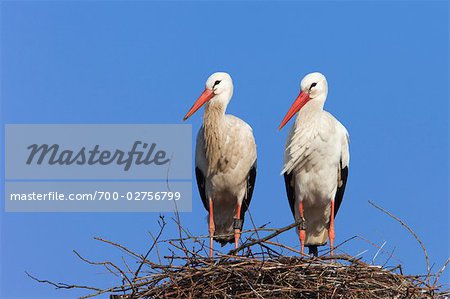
(259, 268)
(282, 277)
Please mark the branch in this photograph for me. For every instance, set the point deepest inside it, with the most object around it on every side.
(427, 260)
(266, 238)
(162, 224)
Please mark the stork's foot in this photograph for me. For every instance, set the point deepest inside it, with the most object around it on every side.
(211, 242)
(331, 236)
(302, 237)
(212, 228)
(331, 229)
(302, 228)
(237, 235)
(237, 225)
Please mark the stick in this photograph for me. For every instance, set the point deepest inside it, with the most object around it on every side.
(411, 231)
(267, 238)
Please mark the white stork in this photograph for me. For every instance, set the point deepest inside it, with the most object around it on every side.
(316, 161)
(225, 161)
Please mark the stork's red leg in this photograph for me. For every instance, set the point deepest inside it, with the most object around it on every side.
(331, 230)
(211, 227)
(237, 230)
(302, 231)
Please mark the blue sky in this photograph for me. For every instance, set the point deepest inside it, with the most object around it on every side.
(146, 62)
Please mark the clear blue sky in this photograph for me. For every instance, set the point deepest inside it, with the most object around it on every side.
(146, 62)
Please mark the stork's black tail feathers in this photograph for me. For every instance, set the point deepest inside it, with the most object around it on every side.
(313, 250)
(224, 240)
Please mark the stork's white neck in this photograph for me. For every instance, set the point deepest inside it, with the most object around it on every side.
(310, 111)
(215, 109)
(214, 127)
(214, 114)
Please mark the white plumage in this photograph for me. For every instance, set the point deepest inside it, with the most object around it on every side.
(316, 161)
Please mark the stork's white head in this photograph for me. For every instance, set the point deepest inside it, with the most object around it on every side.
(221, 84)
(313, 87)
(218, 90)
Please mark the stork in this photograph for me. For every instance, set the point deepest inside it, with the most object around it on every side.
(316, 162)
(225, 161)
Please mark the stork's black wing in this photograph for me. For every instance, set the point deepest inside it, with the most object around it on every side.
(251, 178)
(290, 191)
(201, 187)
(342, 181)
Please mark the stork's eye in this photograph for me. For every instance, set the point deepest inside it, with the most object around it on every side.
(215, 83)
(313, 85)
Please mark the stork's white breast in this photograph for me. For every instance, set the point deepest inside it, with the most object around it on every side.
(238, 152)
(313, 152)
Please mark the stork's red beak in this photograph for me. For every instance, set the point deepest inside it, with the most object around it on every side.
(204, 97)
(299, 102)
